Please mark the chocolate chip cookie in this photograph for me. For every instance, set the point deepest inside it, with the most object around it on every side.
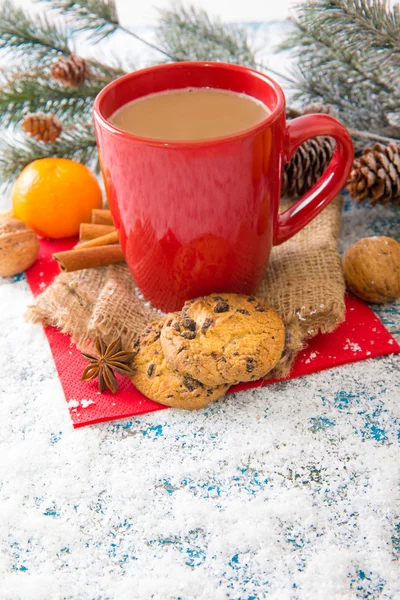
(223, 339)
(158, 381)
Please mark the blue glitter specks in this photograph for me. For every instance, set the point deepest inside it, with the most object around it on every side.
(234, 562)
(55, 437)
(247, 480)
(320, 424)
(240, 577)
(372, 428)
(169, 488)
(17, 553)
(395, 539)
(191, 547)
(50, 512)
(250, 480)
(362, 575)
(375, 432)
(157, 430)
(195, 557)
(367, 585)
(344, 400)
(18, 277)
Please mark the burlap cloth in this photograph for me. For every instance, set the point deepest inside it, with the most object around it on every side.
(303, 282)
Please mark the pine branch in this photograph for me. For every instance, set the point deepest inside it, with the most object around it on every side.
(188, 33)
(348, 56)
(342, 54)
(17, 152)
(31, 38)
(36, 93)
(361, 113)
(372, 22)
(98, 17)
(105, 72)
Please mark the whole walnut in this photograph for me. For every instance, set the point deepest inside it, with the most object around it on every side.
(19, 247)
(371, 268)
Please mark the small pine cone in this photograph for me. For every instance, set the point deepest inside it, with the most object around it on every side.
(44, 127)
(71, 71)
(307, 166)
(318, 107)
(376, 175)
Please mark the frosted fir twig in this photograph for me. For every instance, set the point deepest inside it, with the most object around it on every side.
(17, 151)
(188, 33)
(31, 38)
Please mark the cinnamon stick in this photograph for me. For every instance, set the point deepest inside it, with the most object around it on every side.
(85, 258)
(90, 231)
(102, 216)
(103, 240)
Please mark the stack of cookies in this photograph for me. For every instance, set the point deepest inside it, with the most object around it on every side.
(192, 357)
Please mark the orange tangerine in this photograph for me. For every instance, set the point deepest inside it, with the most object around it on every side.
(54, 195)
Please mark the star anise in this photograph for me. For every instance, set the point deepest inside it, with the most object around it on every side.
(109, 359)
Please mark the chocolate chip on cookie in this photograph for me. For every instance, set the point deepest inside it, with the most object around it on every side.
(206, 325)
(150, 369)
(190, 383)
(188, 335)
(250, 366)
(221, 307)
(176, 326)
(188, 323)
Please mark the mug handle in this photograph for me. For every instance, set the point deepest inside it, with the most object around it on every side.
(330, 183)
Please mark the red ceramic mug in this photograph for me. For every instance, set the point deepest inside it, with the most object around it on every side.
(200, 217)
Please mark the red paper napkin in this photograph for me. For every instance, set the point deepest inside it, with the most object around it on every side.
(361, 336)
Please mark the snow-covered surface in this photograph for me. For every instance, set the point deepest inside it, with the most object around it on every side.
(286, 492)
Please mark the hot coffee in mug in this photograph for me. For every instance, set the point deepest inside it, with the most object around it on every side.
(190, 114)
(192, 156)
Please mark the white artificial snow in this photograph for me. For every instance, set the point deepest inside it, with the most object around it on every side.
(353, 346)
(311, 357)
(286, 492)
(85, 403)
(73, 403)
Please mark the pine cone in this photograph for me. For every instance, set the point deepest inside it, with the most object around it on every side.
(307, 166)
(376, 175)
(71, 71)
(318, 107)
(45, 127)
